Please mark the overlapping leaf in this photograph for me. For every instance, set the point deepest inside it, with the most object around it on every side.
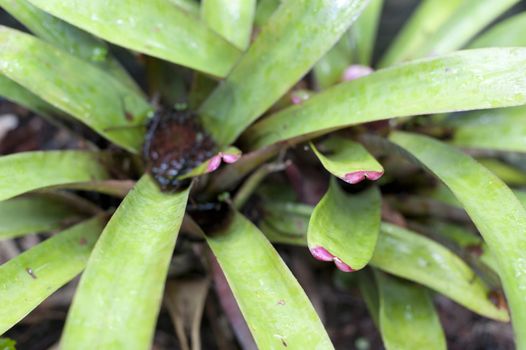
(87, 93)
(495, 210)
(475, 79)
(24, 172)
(119, 296)
(344, 228)
(276, 60)
(273, 303)
(155, 27)
(31, 277)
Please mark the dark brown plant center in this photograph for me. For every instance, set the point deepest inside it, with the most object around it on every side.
(175, 144)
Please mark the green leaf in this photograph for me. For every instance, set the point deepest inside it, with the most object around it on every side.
(24, 172)
(286, 48)
(190, 6)
(7, 344)
(34, 214)
(419, 259)
(74, 86)
(277, 311)
(154, 27)
(505, 172)
(408, 319)
(499, 129)
(31, 277)
(232, 19)
(495, 210)
(20, 95)
(428, 18)
(507, 33)
(265, 9)
(370, 294)
(344, 228)
(119, 295)
(475, 79)
(68, 38)
(439, 27)
(363, 32)
(414, 257)
(348, 160)
(329, 69)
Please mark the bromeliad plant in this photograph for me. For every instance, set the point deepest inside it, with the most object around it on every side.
(303, 77)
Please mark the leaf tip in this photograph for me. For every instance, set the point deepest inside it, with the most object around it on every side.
(356, 71)
(358, 176)
(323, 254)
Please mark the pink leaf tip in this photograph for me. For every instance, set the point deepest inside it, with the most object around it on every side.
(322, 254)
(359, 176)
(356, 71)
(216, 160)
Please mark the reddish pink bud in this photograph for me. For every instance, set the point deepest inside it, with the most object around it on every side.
(321, 253)
(342, 266)
(214, 163)
(359, 176)
(356, 71)
(231, 158)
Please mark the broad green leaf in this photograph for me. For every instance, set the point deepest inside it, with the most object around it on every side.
(34, 214)
(265, 9)
(495, 210)
(363, 32)
(67, 37)
(416, 258)
(190, 6)
(442, 26)
(348, 160)
(278, 58)
(428, 18)
(34, 275)
(231, 18)
(154, 27)
(505, 172)
(329, 69)
(474, 79)
(119, 296)
(521, 196)
(419, 259)
(87, 93)
(276, 308)
(469, 19)
(7, 344)
(24, 172)
(507, 33)
(20, 95)
(369, 292)
(344, 228)
(408, 319)
(499, 129)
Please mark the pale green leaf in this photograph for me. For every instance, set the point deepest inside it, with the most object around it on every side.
(287, 47)
(474, 79)
(119, 296)
(408, 319)
(34, 275)
(348, 160)
(495, 210)
(34, 214)
(67, 37)
(276, 309)
(75, 86)
(24, 172)
(154, 27)
(345, 226)
(442, 26)
(507, 33)
(231, 18)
